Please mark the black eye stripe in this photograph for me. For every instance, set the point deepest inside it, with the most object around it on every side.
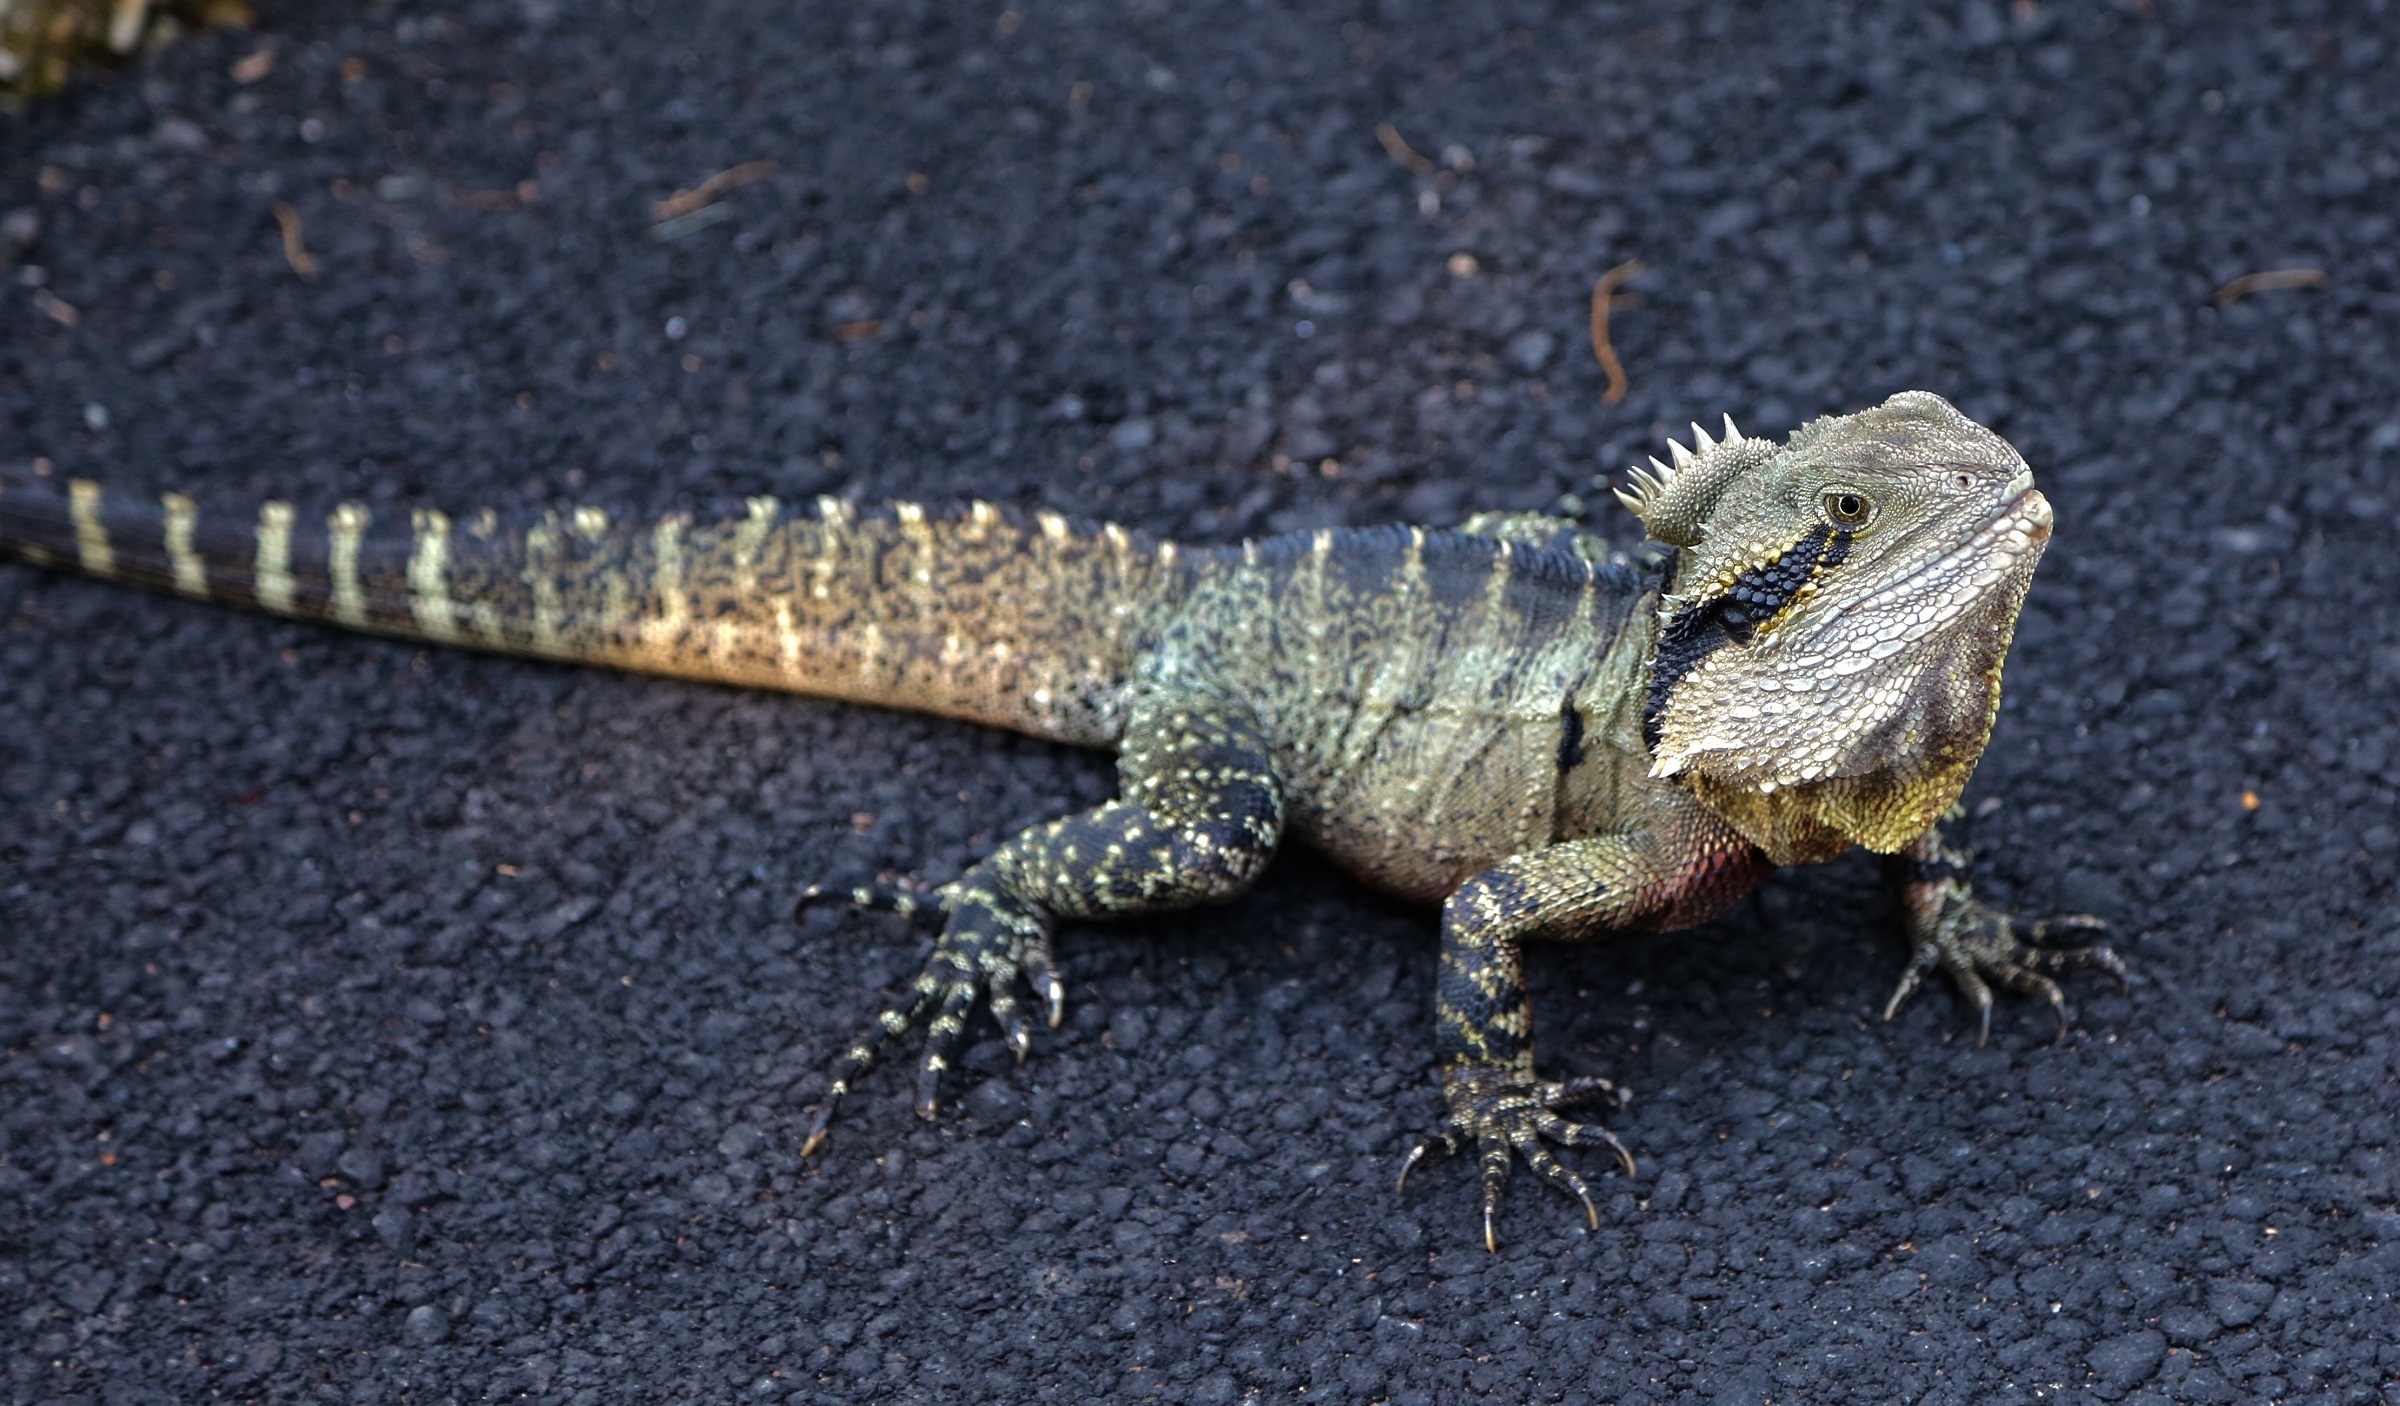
(1733, 617)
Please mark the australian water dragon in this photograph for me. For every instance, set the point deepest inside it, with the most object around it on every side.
(1506, 720)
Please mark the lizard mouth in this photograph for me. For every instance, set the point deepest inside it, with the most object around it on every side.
(2018, 533)
(2029, 508)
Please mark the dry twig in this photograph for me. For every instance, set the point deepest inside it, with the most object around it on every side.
(2270, 281)
(295, 252)
(1604, 297)
(684, 202)
(1396, 147)
(494, 202)
(254, 66)
(56, 308)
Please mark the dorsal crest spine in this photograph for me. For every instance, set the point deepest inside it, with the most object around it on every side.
(1673, 499)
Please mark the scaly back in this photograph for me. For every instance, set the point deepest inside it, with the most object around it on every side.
(979, 614)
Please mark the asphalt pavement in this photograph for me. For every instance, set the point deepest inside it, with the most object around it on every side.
(389, 1024)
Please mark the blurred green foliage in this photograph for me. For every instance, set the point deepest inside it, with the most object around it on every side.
(41, 40)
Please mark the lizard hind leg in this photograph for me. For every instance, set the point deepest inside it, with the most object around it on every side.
(1200, 817)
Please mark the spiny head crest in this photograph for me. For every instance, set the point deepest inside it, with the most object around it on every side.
(1673, 499)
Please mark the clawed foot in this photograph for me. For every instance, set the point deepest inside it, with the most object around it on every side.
(1978, 946)
(986, 950)
(1499, 1108)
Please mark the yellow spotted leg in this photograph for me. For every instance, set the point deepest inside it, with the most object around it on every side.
(1200, 815)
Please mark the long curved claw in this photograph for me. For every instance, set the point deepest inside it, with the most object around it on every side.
(1979, 994)
(1556, 1173)
(817, 1127)
(2097, 956)
(2049, 991)
(1560, 1131)
(1417, 1153)
(1041, 972)
(1493, 1155)
(870, 898)
(1000, 992)
(1591, 1088)
(1920, 963)
(1014, 1031)
(2065, 922)
(866, 1053)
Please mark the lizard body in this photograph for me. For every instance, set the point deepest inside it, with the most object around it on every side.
(1548, 740)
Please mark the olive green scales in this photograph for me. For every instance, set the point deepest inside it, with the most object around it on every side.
(1507, 719)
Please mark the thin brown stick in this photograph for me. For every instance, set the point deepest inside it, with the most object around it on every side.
(295, 251)
(256, 65)
(1604, 297)
(684, 202)
(1396, 147)
(2272, 280)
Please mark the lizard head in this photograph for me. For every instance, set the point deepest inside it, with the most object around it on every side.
(1828, 660)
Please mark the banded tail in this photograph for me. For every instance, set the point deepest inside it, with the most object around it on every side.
(982, 614)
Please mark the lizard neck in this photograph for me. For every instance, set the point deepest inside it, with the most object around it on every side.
(1608, 776)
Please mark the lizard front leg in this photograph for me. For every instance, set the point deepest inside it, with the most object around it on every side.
(1199, 817)
(1977, 946)
(1672, 876)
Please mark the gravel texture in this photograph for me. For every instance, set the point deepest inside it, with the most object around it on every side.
(386, 1024)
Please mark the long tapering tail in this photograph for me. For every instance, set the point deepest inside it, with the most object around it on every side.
(983, 614)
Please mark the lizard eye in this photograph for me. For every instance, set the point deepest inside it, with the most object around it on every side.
(1848, 509)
